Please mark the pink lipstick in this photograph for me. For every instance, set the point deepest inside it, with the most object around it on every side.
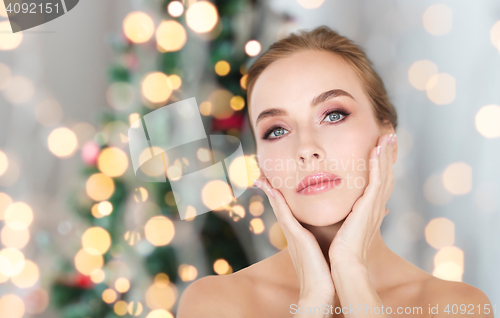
(318, 183)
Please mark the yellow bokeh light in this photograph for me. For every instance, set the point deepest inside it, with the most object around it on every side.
(190, 213)
(457, 178)
(170, 198)
(4, 163)
(420, 72)
(3, 12)
(257, 226)
(135, 308)
(15, 238)
(18, 216)
(448, 271)
(100, 187)
(85, 262)
(159, 230)
(11, 305)
(256, 208)
(175, 8)
(175, 81)
(222, 68)
(120, 308)
(174, 172)
(132, 237)
(28, 277)
(12, 262)
(159, 313)
(96, 240)
(237, 212)
(222, 267)
(5, 202)
(441, 88)
(253, 48)
(237, 103)
(156, 87)
(438, 19)
(171, 36)
(243, 171)
(310, 4)
(162, 294)
(150, 169)
(440, 232)
(112, 161)
(202, 16)
(243, 81)
(109, 296)
(487, 121)
(140, 194)
(205, 108)
(97, 276)
(450, 254)
(134, 120)
(20, 89)
(9, 40)
(105, 208)
(122, 285)
(495, 35)
(216, 194)
(62, 142)
(187, 272)
(138, 27)
(203, 155)
(277, 237)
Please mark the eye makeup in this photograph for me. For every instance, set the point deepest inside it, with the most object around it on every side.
(326, 113)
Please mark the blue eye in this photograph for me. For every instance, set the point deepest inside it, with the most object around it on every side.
(277, 131)
(335, 116)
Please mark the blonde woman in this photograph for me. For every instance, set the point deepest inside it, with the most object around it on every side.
(326, 141)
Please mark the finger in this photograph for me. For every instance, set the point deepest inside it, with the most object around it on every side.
(385, 142)
(389, 184)
(283, 213)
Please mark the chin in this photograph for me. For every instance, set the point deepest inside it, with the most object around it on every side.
(320, 214)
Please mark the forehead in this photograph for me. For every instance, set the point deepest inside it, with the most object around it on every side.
(292, 82)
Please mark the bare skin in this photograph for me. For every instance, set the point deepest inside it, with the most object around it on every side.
(335, 252)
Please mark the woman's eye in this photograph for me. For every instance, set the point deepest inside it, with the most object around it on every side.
(277, 132)
(334, 116)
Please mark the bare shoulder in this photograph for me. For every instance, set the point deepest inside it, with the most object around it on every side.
(457, 299)
(213, 296)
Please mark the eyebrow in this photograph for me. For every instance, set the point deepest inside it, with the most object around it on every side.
(273, 112)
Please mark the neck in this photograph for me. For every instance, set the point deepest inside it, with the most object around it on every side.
(378, 254)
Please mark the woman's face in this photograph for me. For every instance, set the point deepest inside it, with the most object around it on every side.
(310, 114)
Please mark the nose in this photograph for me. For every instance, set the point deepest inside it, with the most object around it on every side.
(309, 153)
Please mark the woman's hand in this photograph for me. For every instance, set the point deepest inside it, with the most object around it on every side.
(352, 241)
(316, 284)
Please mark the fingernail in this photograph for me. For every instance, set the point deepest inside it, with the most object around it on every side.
(378, 151)
(395, 140)
(270, 192)
(389, 140)
(257, 183)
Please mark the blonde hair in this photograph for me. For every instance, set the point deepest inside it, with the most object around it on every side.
(323, 38)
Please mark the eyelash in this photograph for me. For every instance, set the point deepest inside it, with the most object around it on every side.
(328, 112)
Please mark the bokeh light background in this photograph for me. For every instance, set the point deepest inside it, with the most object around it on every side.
(440, 61)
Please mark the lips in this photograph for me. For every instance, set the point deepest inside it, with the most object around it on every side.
(315, 179)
